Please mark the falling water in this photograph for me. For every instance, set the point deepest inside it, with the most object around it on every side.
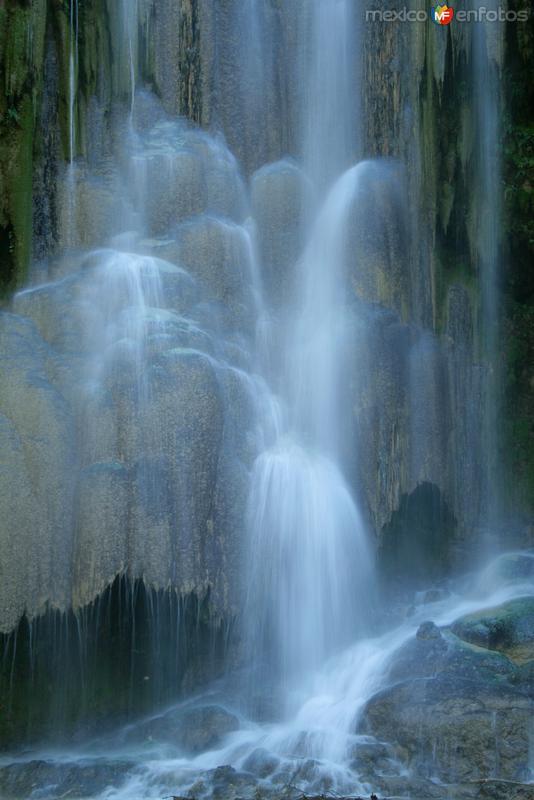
(332, 90)
(129, 26)
(309, 575)
(160, 359)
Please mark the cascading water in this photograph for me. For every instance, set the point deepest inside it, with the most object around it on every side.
(204, 403)
(311, 569)
(331, 126)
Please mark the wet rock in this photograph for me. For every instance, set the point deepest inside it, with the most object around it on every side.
(102, 529)
(228, 783)
(174, 187)
(204, 728)
(509, 568)
(147, 110)
(434, 596)
(376, 241)
(508, 628)
(218, 256)
(192, 729)
(381, 410)
(428, 630)
(225, 189)
(261, 763)
(98, 428)
(40, 437)
(170, 540)
(454, 711)
(435, 652)
(371, 758)
(454, 729)
(89, 209)
(47, 779)
(420, 789)
(278, 193)
(20, 510)
(54, 310)
(179, 290)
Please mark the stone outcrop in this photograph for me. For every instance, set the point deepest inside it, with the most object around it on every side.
(459, 703)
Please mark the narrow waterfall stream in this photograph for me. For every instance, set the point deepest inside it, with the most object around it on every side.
(243, 477)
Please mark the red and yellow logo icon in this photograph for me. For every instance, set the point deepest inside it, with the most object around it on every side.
(442, 15)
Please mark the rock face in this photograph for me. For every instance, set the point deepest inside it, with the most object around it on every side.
(240, 70)
(126, 411)
(279, 194)
(456, 710)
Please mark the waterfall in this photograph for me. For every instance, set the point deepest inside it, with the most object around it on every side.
(129, 28)
(310, 568)
(331, 127)
(227, 436)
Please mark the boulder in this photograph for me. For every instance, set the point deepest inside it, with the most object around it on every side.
(509, 568)
(261, 763)
(454, 729)
(376, 238)
(509, 628)
(54, 309)
(434, 651)
(218, 255)
(279, 195)
(205, 727)
(453, 712)
(76, 779)
(192, 729)
(229, 784)
(172, 186)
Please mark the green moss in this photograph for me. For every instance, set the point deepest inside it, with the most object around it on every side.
(21, 66)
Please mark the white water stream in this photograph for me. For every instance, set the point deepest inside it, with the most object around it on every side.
(313, 748)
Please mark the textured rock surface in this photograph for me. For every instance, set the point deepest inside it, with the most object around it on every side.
(454, 711)
(136, 472)
(508, 629)
(191, 729)
(279, 194)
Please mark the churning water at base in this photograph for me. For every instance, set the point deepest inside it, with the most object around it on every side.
(309, 574)
(314, 750)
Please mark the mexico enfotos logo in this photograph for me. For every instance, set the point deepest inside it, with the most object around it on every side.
(444, 14)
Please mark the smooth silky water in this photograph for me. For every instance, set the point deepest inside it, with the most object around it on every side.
(313, 748)
(313, 649)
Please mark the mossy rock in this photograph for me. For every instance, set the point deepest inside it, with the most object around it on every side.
(508, 628)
